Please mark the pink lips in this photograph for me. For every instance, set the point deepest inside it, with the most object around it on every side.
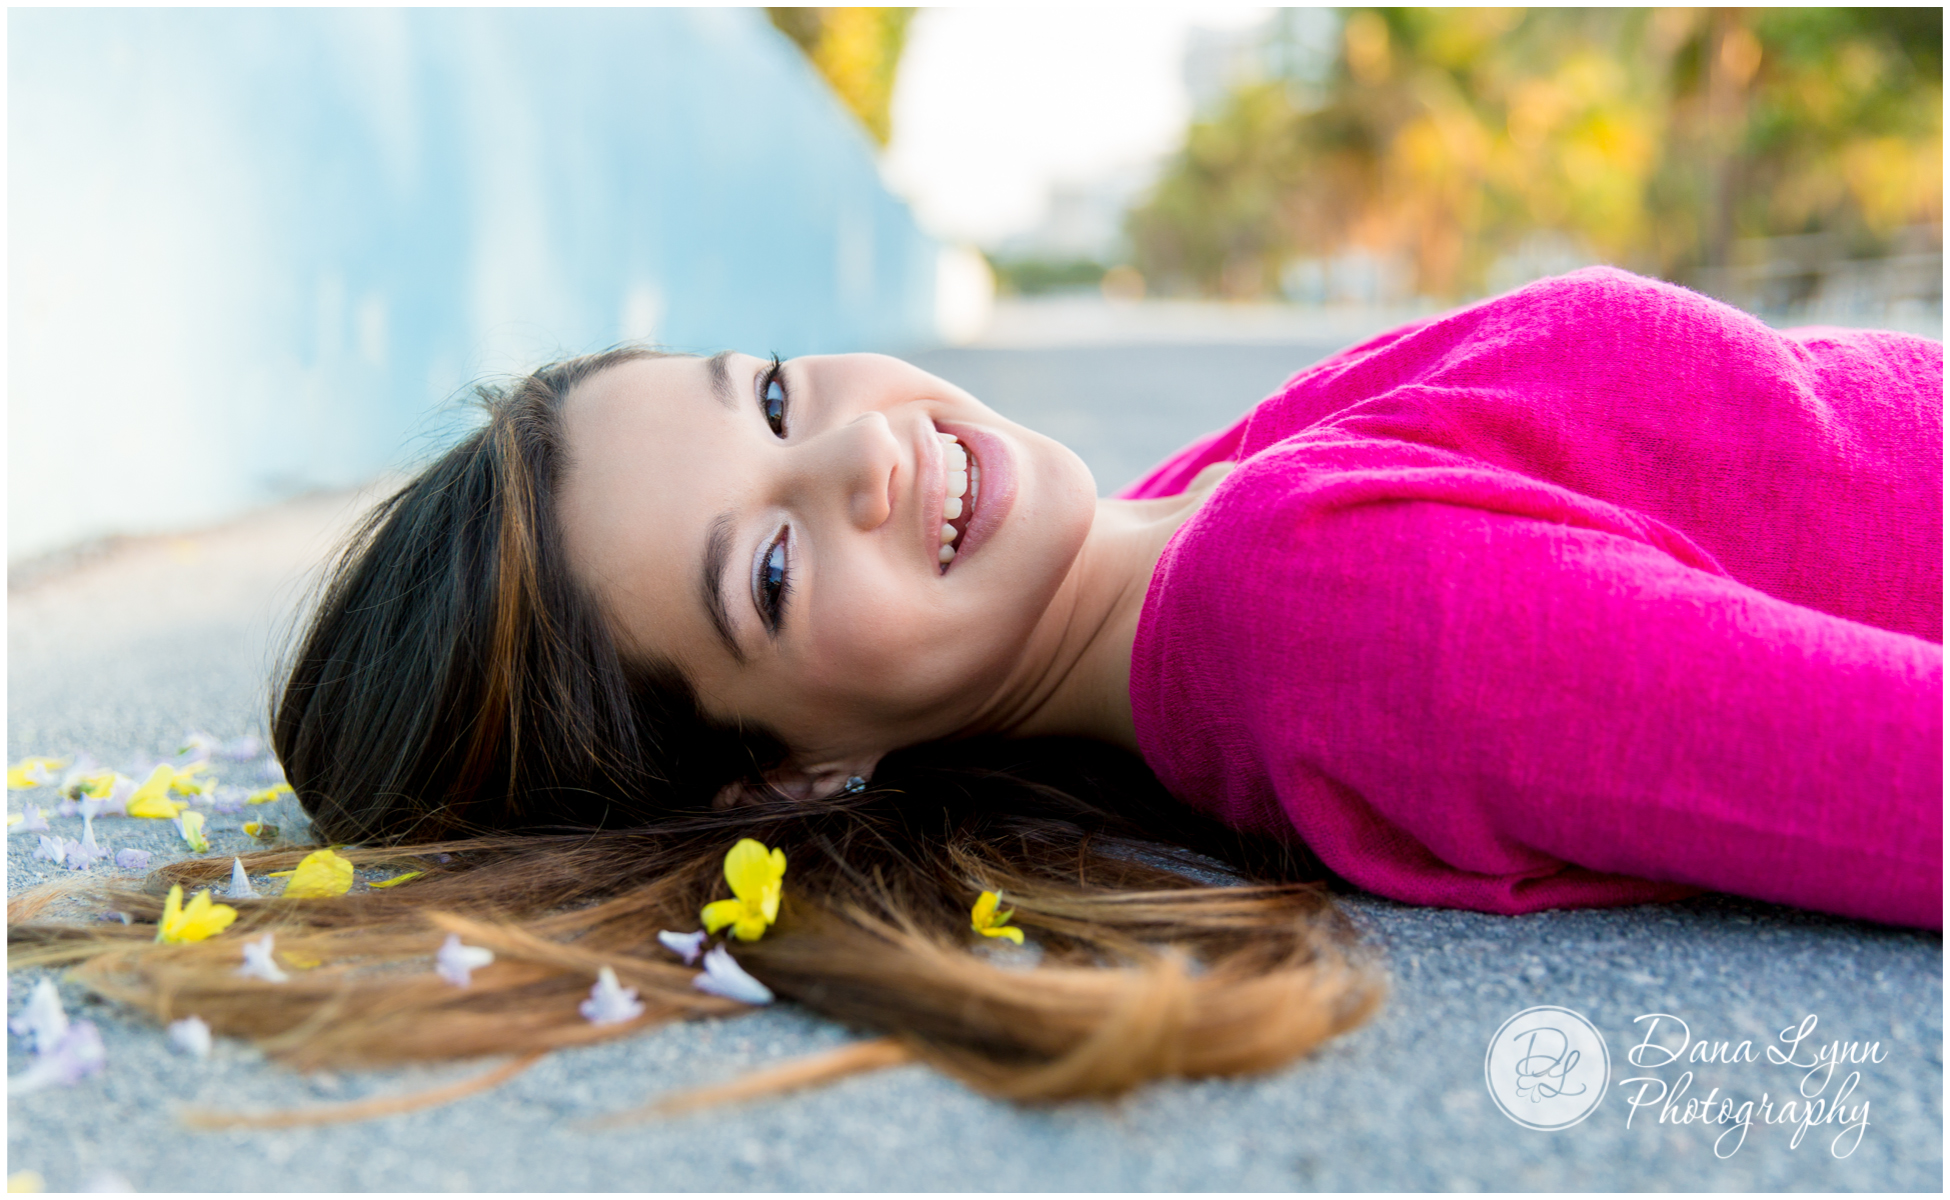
(998, 489)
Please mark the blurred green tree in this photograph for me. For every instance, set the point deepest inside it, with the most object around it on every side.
(858, 50)
(1654, 137)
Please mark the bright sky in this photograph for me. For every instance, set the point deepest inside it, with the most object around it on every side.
(994, 104)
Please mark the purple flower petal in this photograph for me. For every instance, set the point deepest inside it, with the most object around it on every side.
(192, 1035)
(457, 963)
(79, 856)
(258, 963)
(610, 1003)
(685, 945)
(42, 1021)
(119, 792)
(723, 976)
(132, 860)
(77, 1055)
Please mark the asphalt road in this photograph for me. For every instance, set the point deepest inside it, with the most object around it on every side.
(118, 654)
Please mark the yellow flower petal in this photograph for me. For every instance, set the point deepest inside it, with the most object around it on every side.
(720, 913)
(152, 798)
(97, 784)
(199, 919)
(193, 832)
(33, 772)
(989, 923)
(321, 874)
(268, 794)
(749, 868)
(755, 875)
(396, 880)
(185, 783)
(26, 1181)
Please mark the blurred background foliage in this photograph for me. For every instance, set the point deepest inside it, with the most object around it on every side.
(1693, 144)
(858, 50)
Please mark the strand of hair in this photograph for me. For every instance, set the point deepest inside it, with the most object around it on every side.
(363, 1110)
(812, 1070)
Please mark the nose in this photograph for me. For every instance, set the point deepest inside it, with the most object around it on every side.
(854, 465)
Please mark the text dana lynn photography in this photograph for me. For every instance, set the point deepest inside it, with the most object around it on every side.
(1813, 1105)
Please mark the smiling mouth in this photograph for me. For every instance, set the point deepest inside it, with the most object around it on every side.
(966, 475)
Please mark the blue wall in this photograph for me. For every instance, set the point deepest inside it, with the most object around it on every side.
(253, 251)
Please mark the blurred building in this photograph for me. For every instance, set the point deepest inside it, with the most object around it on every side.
(253, 252)
(1293, 45)
(1084, 219)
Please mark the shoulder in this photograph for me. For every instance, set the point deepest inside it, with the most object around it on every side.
(1608, 294)
(1606, 321)
(1272, 523)
(1600, 320)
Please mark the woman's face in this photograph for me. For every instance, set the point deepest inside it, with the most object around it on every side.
(776, 533)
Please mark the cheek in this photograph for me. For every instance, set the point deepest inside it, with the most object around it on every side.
(878, 637)
(888, 652)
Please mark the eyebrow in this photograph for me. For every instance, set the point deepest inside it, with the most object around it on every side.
(717, 550)
(720, 370)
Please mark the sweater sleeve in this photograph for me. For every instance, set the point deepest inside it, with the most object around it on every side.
(1511, 708)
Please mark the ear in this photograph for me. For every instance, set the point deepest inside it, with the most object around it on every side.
(820, 782)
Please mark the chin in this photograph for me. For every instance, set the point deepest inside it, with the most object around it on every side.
(1066, 497)
(1052, 521)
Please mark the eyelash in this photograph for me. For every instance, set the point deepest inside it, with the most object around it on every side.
(774, 585)
(774, 377)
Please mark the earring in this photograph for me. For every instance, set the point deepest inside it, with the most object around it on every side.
(854, 784)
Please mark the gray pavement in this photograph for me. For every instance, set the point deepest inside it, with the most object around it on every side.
(119, 653)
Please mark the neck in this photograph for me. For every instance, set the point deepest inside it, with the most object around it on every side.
(1080, 686)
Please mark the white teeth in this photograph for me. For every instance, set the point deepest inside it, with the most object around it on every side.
(955, 458)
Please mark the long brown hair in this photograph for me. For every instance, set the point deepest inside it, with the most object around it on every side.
(458, 707)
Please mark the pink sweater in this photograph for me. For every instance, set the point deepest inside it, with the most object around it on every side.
(1597, 593)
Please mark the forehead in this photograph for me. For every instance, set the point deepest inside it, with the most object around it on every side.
(641, 478)
(640, 393)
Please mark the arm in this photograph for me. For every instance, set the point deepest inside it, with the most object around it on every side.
(1509, 691)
